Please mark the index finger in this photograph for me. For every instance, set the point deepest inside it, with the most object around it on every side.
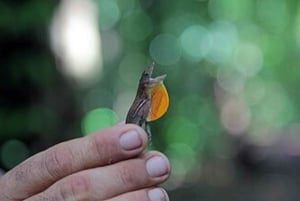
(104, 147)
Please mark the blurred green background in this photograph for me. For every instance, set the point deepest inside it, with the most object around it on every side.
(232, 131)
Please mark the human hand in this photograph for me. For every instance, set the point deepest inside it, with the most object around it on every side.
(108, 165)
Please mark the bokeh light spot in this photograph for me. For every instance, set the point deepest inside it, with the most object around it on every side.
(109, 13)
(165, 49)
(248, 59)
(230, 80)
(276, 110)
(275, 17)
(75, 40)
(235, 116)
(176, 24)
(97, 119)
(181, 130)
(254, 91)
(13, 152)
(224, 41)
(195, 42)
(233, 10)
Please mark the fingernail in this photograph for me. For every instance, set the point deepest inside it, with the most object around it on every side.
(158, 194)
(157, 166)
(131, 140)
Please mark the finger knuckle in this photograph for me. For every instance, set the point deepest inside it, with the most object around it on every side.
(76, 188)
(127, 176)
(59, 161)
(103, 148)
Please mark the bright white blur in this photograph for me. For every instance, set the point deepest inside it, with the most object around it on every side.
(75, 39)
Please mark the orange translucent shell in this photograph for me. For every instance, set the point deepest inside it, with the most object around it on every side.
(159, 102)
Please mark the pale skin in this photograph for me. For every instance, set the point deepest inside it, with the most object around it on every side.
(109, 165)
